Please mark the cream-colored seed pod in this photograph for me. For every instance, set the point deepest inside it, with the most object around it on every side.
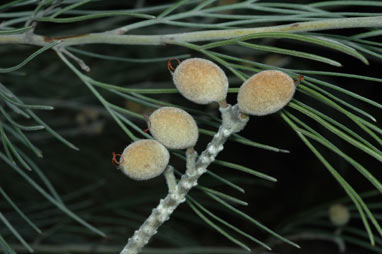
(144, 159)
(201, 81)
(339, 214)
(174, 128)
(265, 92)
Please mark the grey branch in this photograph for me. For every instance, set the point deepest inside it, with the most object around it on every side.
(232, 122)
(200, 36)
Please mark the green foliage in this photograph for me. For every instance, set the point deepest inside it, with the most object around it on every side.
(127, 63)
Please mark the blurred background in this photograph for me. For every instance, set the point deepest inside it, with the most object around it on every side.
(96, 191)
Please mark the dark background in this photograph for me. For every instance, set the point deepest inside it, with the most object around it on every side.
(118, 205)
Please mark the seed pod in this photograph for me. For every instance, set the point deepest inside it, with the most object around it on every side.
(265, 92)
(201, 81)
(174, 128)
(144, 159)
(339, 214)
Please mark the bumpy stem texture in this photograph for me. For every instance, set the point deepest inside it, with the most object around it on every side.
(232, 122)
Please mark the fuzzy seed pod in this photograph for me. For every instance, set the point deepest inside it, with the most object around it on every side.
(201, 81)
(265, 92)
(144, 159)
(339, 214)
(174, 128)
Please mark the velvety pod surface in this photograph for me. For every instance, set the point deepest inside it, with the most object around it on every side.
(201, 81)
(174, 128)
(144, 159)
(265, 92)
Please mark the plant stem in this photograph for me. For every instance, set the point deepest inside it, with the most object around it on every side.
(232, 123)
(109, 248)
(210, 35)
